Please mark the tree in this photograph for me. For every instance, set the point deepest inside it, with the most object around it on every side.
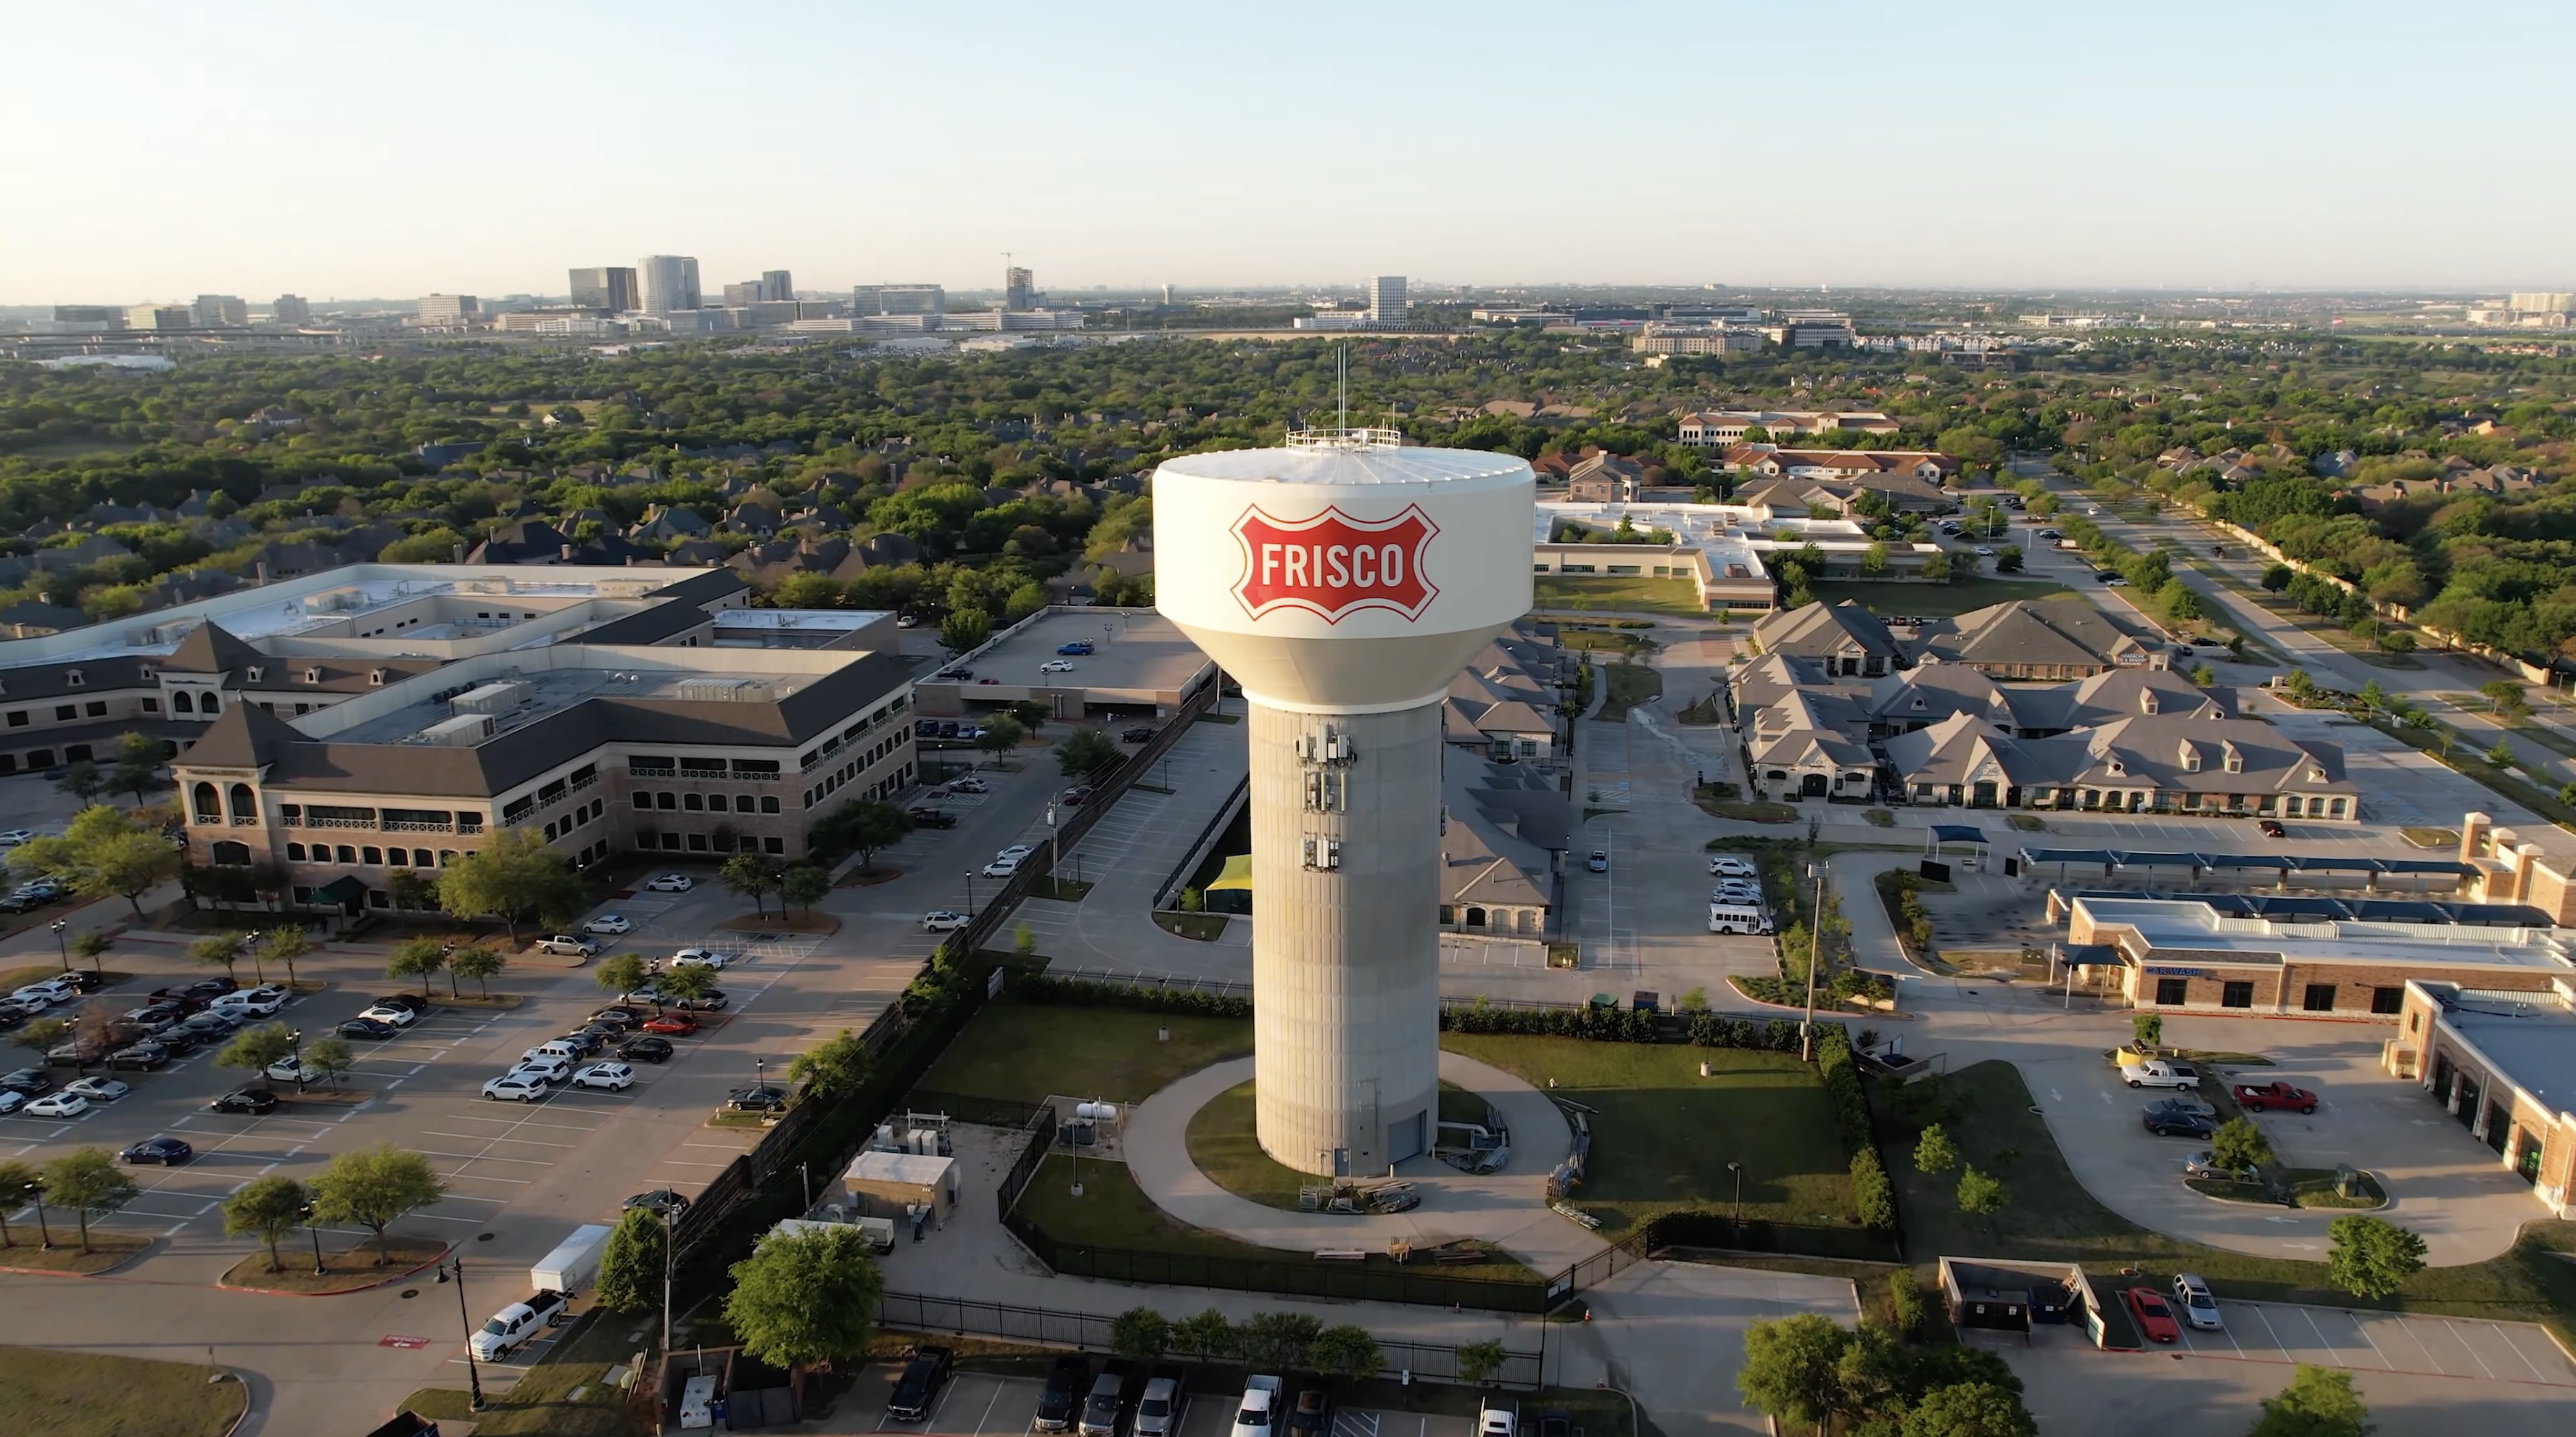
(1873, 1196)
(752, 875)
(2203, 675)
(2299, 685)
(103, 853)
(271, 1207)
(93, 946)
(621, 975)
(256, 1046)
(2503, 694)
(2148, 1028)
(2501, 755)
(1346, 1352)
(1790, 1368)
(1968, 1409)
(15, 1178)
(999, 737)
(1024, 941)
(375, 1188)
(2319, 1402)
(219, 950)
(285, 944)
(478, 963)
(836, 1067)
(2372, 1257)
(333, 1056)
(82, 780)
(1087, 751)
(513, 875)
(804, 885)
(2398, 641)
(805, 1298)
(965, 629)
(1981, 1194)
(2238, 1145)
(2278, 577)
(1936, 567)
(690, 982)
(88, 1181)
(1934, 1152)
(631, 1265)
(416, 958)
(37, 1037)
(1207, 1335)
(1276, 1341)
(1479, 1361)
(1140, 1332)
(864, 825)
(136, 769)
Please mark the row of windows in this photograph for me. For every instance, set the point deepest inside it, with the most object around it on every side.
(706, 802)
(2319, 997)
(587, 813)
(39, 759)
(65, 713)
(832, 781)
(367, 854)
(720, 841)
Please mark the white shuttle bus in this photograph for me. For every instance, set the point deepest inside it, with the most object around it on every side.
(1726, 917)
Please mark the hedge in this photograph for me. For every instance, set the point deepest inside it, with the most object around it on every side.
(1593, 1024)
(1908, 1297)
(1080, 992)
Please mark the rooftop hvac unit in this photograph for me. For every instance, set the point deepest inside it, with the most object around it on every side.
(462, 731)
(743, 691)
(491, 698)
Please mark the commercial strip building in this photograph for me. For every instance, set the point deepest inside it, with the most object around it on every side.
(2503, 1063)
(363, 722)
(1724, 550)
(1140, 666)
(2191, 955)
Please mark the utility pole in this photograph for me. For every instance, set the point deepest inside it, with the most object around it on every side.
(1815, 949)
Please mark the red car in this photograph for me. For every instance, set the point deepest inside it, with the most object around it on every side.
(2155, 1320)
(2274, 1094)
(674, 1024)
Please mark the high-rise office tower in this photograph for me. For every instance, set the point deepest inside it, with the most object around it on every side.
(219, 311)
(1167, 294)
(1019, 289)
(898, 299)
(670, 282)
(743, 295)
(157, 316)
(291, 309)
(777, 284)
(608, 287)
(1386, 300)
(104, 316)
(449, 309)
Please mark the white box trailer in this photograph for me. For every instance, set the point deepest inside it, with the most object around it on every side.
(573, 1263)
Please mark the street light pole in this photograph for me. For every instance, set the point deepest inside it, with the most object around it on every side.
(36, 1195)
(1815, 948)
(314, 1229)
(666, 1280)
(473, 1375)
(1738, 1170)
(65, 953)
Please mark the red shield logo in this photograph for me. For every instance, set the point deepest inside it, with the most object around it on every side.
(1332, 564)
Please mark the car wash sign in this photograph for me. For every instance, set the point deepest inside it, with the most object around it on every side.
(1331, 564)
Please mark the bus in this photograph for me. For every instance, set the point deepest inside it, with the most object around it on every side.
(1737, 918)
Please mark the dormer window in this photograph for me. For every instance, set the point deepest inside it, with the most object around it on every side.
(73, 678)
(2117, 769)
(2147, 701)
(2235, 759)
(2190, 758)
(147, 671)
(376, 677)
(313, 676)
(253, 671)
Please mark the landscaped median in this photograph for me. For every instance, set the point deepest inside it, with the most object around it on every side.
(61, 1393)
(350, 1269)
(25, 1252)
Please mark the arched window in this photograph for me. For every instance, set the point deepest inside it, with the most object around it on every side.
(202, 799)
(245, 804)
(211, 707)
(348, 853)
(229, 854)
(1475, 917)
(180, 703)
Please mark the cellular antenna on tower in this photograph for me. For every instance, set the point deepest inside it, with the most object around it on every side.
(1342, 388)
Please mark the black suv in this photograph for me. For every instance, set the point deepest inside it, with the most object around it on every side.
(1065, 1384)
(919, 1385)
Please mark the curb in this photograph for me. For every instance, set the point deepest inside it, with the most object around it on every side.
(135, 1256)
(387, 1280)
(244, 1384)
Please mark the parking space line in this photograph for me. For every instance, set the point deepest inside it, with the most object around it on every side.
(2274, 1331)
(531, 1142)
(485, 1158)
(2402, 1325)
(2472, 1351)
(2516, 1349)
(998, 1389)
(2357, 1326)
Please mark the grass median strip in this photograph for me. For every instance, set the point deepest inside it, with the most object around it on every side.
(1100, 1052)
(106, 1249)
(90, 1394)
(351, 1269)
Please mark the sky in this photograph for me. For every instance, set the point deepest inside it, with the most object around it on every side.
(161, 150)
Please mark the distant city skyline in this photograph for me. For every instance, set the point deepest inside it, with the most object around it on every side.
(2029, 147)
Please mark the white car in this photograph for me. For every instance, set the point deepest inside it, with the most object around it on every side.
(969, 784)
(16, 836)
(105, 1090)
(1056, 666)
(943, 920)
(1984, 552)
(525, 1087)
(11, 1100)
(699, 958)
(672, 883)
(65, 1104)
(2199, 1305)
(543, 1066)
(2160, 1073)
(290, 1069)
(572, 943)
(394, 1013)
(615, 1077)
(261, 1002)
(608, 923)
(57, 990)
(1001, 868)
(34, 998)
(1729, 866)
(1016, 852)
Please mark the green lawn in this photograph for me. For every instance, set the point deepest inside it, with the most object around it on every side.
(1628, 685)
(542, 1404)
(1021, 1052)
(1938, 601)
(1662, 1135)
(89, 1394)
(1224, 1146)
(1987, 1112)
(1625, 593)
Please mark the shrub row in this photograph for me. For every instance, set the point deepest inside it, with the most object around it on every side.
(1776, 1035)
(1908, 1297)
(1599, 1025)
(1842, 1083)
(1873, 1196)
(1081, 992)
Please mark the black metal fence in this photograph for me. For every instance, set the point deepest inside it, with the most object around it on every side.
(958, 1317)
(968, 1108)
(1349, 1282)
(1033, 1150)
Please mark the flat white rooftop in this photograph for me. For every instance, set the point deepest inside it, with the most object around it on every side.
(1694, 523)
(2176, 928)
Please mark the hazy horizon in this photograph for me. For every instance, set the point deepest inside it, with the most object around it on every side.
(300, 148)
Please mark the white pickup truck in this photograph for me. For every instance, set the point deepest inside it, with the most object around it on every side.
(2160, 1073)
(1253, 1416)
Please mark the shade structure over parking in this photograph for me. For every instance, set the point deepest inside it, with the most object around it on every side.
(2283, 862)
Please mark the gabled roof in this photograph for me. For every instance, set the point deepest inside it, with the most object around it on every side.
(1820, 629)
(209, 648)
(2023, 631)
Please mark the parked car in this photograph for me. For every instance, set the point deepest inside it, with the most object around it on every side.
(2271, 828)
(547, 1066)
(1078, 646)
(2155, 1320)
(1066, 1382)
(2160, 1073)
(969, 784)
(765, 1098)
(1001, 868)
(10, 1101)
(292, 1069)
(659, 1200)
(932, 817)
(572, 943)
(672, 883)
(57, 1105)
(390, 1015)
(98, 1090)
(27, 1082)
(646, 1050)
(1166, 1401)
(1599, 862)
(2204, 1164)
(583, 1042)
(411, 1003)
(1106, 1403)
(608, 923)
(2179, 1125)
(366, 1028)
(2178, 1104)
(1313, 1414)
(1137, 735)
(700, 958)
(210, 1025)
(521, 1086)
(1728, 866)
(142, 1057)
(2274, 1094)
(672, 1025)
(943, 920)
(1056, 666)
(618, 1017)
(168, 1152)
(253, 1101)
(16, 836)
(2114, 580)
(1076, 796)
(919, 1384)
(2199, 1305)
(615, 1077)
(504, 1332)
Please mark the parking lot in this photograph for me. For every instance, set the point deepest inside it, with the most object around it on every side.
(2386, 1342)
(975, 1403)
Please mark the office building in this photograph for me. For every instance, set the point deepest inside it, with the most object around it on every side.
(290, 309)
(777, 286)
(97, 316)
(743, 295)
(449, 311)
(869, 299)
(1386, 306)
(219, 311)
(670, 282)
(164, 317)
(1019, 289)
(2501, 1065)
(2543, 302)
(1167, 295)
(608, 287)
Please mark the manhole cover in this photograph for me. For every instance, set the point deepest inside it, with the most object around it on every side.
(411, 1292)
(486, 1237)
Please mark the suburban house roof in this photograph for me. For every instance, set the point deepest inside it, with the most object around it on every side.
(2021, 632)
(1826, 630)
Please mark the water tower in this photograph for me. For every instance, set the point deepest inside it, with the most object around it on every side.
(1343, 581)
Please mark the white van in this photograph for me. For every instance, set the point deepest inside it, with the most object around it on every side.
(1737, 918)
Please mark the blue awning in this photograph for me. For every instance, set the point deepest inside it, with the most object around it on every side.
(1957, 833)
(2287, 862)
